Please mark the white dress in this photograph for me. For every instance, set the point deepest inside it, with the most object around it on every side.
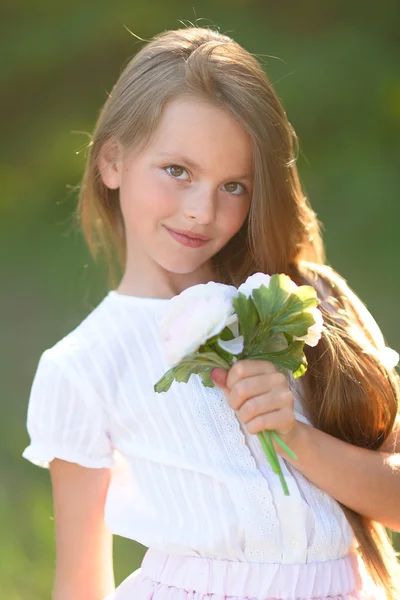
(187, 478)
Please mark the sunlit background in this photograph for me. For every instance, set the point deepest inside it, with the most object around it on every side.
(334, 66)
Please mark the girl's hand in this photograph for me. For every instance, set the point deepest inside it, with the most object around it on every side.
(260, 396)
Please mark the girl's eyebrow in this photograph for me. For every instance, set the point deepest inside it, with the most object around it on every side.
(193, 165)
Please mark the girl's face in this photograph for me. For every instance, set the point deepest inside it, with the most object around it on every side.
(195, 174)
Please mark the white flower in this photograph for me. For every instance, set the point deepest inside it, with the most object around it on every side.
(254, 282)
(385, 355)
(388, 357)
(234, 346)
(234, 325)
(314, 332)
(195, 315)
(258, 279)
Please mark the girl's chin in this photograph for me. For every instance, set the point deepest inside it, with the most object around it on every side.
(185, 267)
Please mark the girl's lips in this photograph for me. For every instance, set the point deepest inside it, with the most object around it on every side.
(185, 240)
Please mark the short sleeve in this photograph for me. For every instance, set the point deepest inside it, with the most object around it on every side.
(65, 419)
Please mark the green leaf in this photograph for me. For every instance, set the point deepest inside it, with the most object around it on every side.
(227, 356)
(206, 378)
(248, 316)
(297, 324)
(193, 363)
(210, 359)
(288, 337)
(212, 344)
(291, 358)
(165, 382)
(270, 300)
(282, 309)
(260, 336)
(301, 370)
(271, 343)
(183, 373)
(226, 334)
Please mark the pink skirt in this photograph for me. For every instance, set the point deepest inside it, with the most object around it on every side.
(173, 577)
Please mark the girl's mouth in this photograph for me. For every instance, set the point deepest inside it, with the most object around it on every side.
(186, 240)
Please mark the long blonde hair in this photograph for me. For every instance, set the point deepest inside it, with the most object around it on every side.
(354, 397)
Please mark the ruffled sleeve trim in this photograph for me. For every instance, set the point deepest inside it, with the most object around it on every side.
(42, 455)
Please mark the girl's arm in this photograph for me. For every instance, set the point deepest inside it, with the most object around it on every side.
(392, 443)
(367, 481)
(84, 563)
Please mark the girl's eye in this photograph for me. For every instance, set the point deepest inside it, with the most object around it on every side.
(234, 186)
(176, 171)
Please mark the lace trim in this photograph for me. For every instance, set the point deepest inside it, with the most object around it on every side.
(250, 491)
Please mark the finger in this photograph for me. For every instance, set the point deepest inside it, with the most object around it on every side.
(282, 421)
(219, 376)
(248, 387)
(259, 405)
(248, 368)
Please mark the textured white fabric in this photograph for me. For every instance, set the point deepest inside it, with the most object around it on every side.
(187, 478)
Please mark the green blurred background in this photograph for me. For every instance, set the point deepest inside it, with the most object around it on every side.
(335, 67)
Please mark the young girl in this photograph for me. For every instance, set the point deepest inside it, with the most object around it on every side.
(191, 177)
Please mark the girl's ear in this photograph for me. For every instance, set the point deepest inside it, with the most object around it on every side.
(110, 163)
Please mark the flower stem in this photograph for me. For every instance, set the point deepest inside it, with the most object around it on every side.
(267, 450)
(266, 442)
(282, 444)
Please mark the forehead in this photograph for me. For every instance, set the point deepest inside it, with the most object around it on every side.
(209, 135)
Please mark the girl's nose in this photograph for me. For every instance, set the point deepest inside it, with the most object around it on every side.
(200, 205)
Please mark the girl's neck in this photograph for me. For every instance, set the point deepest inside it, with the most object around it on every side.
(136, 286)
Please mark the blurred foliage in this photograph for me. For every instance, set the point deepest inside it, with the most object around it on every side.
(335, 67)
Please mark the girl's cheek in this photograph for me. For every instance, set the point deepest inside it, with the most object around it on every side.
(164, 202)
(233, 217)
(152, 198)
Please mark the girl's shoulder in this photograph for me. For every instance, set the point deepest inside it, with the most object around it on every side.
(82, 338)
(67, 415)
(104, 323)
(119, 333)
(74, 357)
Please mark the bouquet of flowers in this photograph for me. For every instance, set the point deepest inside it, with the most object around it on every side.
(214, 325)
